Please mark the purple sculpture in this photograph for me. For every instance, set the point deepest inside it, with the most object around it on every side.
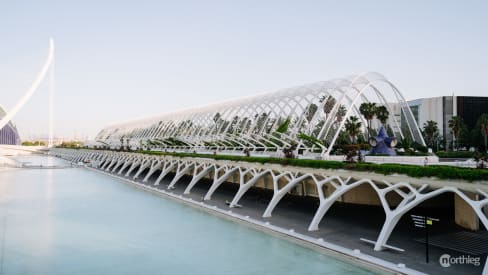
(382, 143)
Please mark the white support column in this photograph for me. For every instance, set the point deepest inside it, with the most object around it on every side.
(168, 166)
(103, 162)
(392, 217)
(112, 162)
(76, 157)
(81, 156)
(115, 162)
(120, 161)
(154, 167)
(183, 168)
(229, 171)
(101, 156)
(325, 203)
(278, 194)
(84, 156)
(106, 162)
(133, 166)
(126, 164)
(197, 176)
(482, 205)
(244, 186)
(146, 163)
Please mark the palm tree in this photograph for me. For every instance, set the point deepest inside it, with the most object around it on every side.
(127, 141)
(430, 131)
(368, 110)
(353, 127)
(382, 114)
(122, 143)
(341, 112)
(329, 105)
(456, 124)
(483, 126)
(310, 112)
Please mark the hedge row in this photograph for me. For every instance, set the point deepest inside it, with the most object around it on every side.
(439, 171)
(457, 154)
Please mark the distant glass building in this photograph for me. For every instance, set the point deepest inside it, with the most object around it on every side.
(442, 109)
(470, 108)
(8, 134)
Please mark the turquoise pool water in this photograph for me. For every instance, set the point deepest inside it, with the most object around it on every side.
(74, 221)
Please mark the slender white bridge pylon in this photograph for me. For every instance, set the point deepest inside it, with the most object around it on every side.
(34, 86)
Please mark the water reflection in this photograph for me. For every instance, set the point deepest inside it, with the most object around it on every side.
(73, 221)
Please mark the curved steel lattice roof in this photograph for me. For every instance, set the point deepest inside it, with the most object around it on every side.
(311, 115)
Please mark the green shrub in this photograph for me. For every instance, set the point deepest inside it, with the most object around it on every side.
(438, 171)
(412, 153)
(455, 154)
(34, 143)
(379, 155)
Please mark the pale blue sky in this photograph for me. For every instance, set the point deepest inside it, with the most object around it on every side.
(117, 61)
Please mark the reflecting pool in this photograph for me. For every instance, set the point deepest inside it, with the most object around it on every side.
(74, 221)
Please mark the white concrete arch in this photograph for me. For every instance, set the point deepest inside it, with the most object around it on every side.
(343, 187)
(415, 198)
(228, 171)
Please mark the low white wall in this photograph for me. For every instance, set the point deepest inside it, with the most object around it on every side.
(420, 160)
(19, 150)
(7, 162)
(417, 160)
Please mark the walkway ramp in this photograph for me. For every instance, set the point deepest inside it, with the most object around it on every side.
(472, 243)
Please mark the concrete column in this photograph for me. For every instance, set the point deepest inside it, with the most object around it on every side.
(464, 215)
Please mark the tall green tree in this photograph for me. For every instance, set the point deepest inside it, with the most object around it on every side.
(382, 114)
(482, 125)
(430, 131)
(353, 127)
(368, 110)
(456, 124)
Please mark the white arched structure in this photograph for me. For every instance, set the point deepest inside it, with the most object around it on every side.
(311, 115)
(38, 80)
